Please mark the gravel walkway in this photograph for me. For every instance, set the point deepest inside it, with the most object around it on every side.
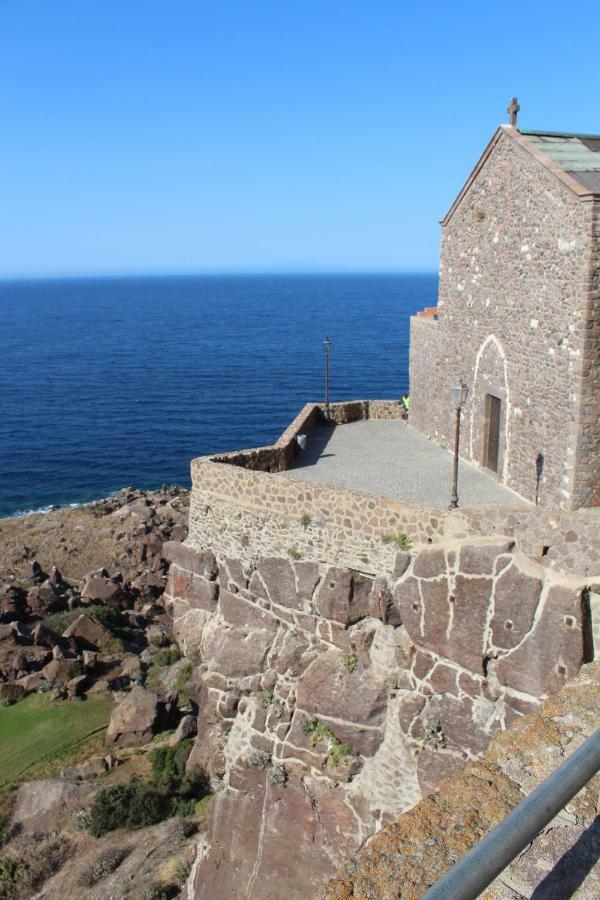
(391, 459)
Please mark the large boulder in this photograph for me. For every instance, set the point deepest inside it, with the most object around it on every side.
(88, 634)
(43, 807)
(140, 716)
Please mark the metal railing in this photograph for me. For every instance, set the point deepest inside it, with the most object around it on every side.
(492, 855)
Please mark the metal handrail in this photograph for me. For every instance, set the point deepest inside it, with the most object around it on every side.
(478, 868)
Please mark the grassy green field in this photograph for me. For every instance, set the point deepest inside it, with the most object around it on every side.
(37, 733)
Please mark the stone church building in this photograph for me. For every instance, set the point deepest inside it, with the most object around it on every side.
(518, 318)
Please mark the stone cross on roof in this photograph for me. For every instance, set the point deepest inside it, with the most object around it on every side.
(512, 111)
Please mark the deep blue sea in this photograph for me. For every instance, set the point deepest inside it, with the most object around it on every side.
(110, 382)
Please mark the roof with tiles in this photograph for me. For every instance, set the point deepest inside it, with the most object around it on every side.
(577, 154)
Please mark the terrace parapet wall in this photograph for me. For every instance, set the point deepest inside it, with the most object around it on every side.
(243, 504)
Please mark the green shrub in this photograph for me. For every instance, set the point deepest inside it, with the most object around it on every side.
(112, 619)
(4, 830)
(183, 676)
(167, 656)
(168, 764)
(11, 872)
(305, 520)
(132, 805)
(295, 553)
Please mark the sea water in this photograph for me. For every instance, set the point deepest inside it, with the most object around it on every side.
(110, 382)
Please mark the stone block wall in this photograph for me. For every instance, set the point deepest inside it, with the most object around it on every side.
(513, 317)
(586, 477)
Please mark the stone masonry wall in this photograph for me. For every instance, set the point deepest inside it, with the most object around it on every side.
(586, 487)
(512, 313)
(250, 513)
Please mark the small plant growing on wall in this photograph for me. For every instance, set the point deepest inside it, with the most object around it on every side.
(305, 520)
(260, 759)
(294, 553)
(318, 732)
(402, 541)
(351, 660)
(265, 698)
(432, 736)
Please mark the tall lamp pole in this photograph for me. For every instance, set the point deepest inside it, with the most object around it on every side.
(459, 397)
(326, 349)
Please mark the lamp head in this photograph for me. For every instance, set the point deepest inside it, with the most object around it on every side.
(459, 393)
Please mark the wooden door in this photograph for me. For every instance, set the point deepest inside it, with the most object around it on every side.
(493, 409)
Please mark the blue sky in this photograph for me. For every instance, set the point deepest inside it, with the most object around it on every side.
(186, 136)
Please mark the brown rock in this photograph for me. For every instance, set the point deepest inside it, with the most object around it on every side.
(76, 686)
(186, 729)
(200, 563)
(100, 589)
(88, 634)
(401, 564)
(43, 807)
(278, 578)
(516, 597)
(480, 559)
(329, 689)
(59, 671)
(430, 563)
(343, 596)
(552, 652)
(302, 819)
(137, 718)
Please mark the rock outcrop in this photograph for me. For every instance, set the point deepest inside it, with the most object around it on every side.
(330, 702)
(411, 854)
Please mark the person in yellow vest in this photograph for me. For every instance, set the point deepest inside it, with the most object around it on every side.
(405, 407)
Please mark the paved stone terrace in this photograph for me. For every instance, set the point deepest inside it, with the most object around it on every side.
(390, 459)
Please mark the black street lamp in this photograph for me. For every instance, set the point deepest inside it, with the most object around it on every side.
(326, 349)
(459, 397)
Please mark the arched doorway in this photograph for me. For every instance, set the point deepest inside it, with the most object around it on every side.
(489, 434)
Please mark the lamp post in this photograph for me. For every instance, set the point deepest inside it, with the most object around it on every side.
(326, 349)
(459, 396)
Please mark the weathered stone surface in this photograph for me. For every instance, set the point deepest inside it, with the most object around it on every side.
(343, 596)
(481, 559)
(329, 688)
(187, 728)
(471, 602)
(516, 597)
(277, 575)
(552, 652)
(199, 562)
(11, 692)
(414, 852)
(42, 807)
(300, 820)
(429, 564)
(401, 564)
(137, 718)
(89, 634)
(59, 671)
(307, 577)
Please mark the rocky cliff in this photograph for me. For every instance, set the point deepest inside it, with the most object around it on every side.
(407, 857)
(330, 702)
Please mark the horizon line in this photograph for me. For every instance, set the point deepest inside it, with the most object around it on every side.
(251, 273)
